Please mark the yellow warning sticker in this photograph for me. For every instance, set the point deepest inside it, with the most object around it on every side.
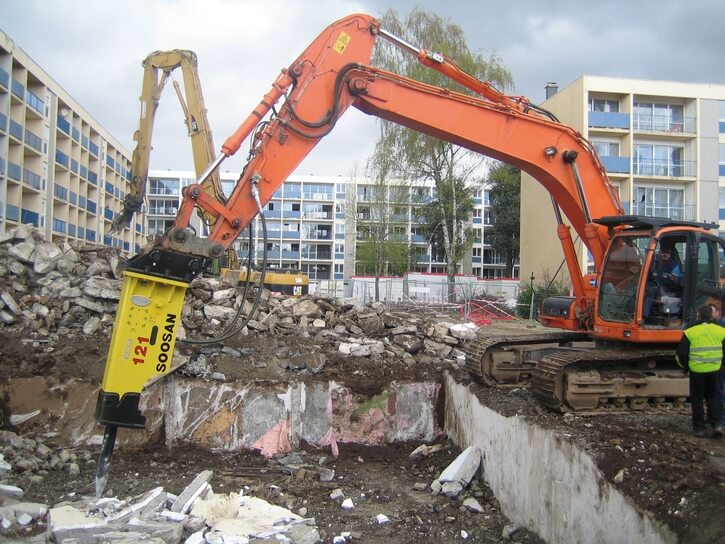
(342, 42)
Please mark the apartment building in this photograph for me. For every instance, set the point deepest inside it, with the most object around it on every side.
(315, 223)
(662, 144)
(60, 170)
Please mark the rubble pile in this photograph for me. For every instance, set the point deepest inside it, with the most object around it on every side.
(305, 492)
(59, 289)
(53, 291)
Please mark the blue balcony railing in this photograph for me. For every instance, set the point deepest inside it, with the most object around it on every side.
(59, 226)
(290, 235)
(4, 78)
(61, 158)
(17, 89)
(3, 122)
(93, 148)
(616, 165)
(29, 217)
(12, 212)
(606, 119)
(34, 141)
(63, 125)
(15, 171)
(32, 179)
(34, 102)
(108, 214)
(60, 191)
(16, 130)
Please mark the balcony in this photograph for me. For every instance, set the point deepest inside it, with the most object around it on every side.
(418, 238)
(60, 192)
(29, 217)
(17, 89)
(290, 235)
(62, 159)
(423, 258)
(664, 123)
(664, 168)
(32, 179)
(606, 119)
(616, 165)
(4, 78)
(63, 125)
(679, 213)
(16, 130)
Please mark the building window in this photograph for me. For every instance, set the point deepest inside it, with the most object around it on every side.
(339, 268)
(476, 212)
(722, 203)
(652, 116)
(605, 148)
(339, 248)
(722, 158)
(601, 104)
(477, 252)
(660, 202)
(659, 160)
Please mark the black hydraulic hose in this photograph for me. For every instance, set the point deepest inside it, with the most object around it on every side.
(229, 332)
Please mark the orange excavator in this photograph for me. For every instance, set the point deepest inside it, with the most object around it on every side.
(614, 337)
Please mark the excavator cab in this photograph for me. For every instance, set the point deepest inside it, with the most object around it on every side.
(658, 277)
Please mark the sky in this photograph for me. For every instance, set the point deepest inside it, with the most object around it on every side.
(94, 51)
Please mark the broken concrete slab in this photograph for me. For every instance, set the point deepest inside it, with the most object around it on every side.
(463, 468)
(193, 491)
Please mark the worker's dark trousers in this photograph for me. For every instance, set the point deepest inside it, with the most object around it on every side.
(721, 394)
(703, 387)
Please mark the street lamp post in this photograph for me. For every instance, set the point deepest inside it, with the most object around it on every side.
(531, 305)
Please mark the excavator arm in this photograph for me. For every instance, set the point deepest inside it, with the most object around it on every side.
(334, 74)
(158, 68)
(306, 100)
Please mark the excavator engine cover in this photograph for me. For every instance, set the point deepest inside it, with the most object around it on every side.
(142, 345)
(557, 306)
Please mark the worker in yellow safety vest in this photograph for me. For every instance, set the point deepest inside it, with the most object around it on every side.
(701, 354)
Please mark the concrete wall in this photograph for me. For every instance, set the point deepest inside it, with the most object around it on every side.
(545, 482)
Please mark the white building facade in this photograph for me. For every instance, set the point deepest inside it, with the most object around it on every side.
(662, 144)
(311, 228)
(60, 170)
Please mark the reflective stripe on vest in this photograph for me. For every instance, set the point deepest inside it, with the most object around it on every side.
(705, 347)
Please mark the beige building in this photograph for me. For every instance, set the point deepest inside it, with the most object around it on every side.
(662, 143)
(60, 170)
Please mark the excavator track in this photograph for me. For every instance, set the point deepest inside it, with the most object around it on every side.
(610, 380)
(569, 372)
(499, 360)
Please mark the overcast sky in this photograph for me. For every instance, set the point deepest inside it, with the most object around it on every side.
(94, 49)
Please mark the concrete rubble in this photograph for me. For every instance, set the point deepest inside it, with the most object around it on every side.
(196, 515)
(456, 477)
(56, 291)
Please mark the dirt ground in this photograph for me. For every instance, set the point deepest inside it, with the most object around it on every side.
(651, 457)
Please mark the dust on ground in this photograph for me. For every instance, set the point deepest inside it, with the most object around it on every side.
(651, 457)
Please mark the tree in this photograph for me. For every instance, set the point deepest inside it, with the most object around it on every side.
(379, 212)
(504, 183)
(415, 156)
